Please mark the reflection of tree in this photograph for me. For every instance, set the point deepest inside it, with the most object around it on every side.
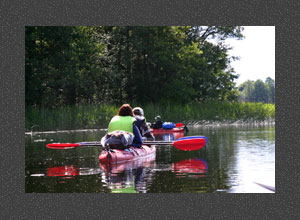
(224, 152)
(220, 155)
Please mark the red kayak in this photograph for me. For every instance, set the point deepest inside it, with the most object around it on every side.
(121, 156)
(161, 130)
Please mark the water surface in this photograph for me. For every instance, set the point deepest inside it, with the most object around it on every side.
(234, 158)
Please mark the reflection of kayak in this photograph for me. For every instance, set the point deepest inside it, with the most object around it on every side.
(119, 168)
(130, 176)
(121, 156)
(168, 136)
(161, 130)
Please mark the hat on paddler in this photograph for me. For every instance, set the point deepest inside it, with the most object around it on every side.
(138, 111)
(157, 118)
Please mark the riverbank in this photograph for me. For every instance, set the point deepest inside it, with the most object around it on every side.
(201, 124)
(98, 116)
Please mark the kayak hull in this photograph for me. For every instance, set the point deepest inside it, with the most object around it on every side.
(122, 156)
(161, 130)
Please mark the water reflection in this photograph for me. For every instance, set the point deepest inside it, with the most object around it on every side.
(231, 162)
(71, 171)
(129, 177)
(168, 136)
(193, 168)
(137, 176)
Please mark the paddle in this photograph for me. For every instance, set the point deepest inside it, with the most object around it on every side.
(186, 143)
(180, 125)
(72, 145)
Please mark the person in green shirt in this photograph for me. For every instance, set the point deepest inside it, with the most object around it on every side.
(122, 129)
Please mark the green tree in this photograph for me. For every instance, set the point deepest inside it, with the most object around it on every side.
(246, 91)
(270, 83)
(61, 65)
(260, 92)
(257, 91)
(115, 64)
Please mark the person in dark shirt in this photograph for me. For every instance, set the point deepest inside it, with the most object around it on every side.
(142, 124)
(158, 123)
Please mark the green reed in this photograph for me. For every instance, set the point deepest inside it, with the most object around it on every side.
(98, 116)
(69, 117)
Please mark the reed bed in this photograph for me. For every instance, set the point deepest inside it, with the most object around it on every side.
(98, 116)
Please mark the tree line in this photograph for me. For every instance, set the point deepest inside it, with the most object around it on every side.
(258, 91)
(74, 65)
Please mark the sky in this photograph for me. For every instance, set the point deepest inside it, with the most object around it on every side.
(256, 52)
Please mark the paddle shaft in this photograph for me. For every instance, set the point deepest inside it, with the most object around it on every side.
(158, 142)
(185, 143)
(145, 142)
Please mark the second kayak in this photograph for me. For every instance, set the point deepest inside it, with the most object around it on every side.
(161, 130)
(121, 156)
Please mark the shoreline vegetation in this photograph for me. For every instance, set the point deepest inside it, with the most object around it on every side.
(77, 77)
(193, 114)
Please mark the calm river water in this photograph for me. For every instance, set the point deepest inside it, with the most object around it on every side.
(234, 158)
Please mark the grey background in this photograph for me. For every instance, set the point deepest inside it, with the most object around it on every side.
(16, 204)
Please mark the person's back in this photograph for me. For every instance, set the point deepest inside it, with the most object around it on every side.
(122, 129)
(121, 123)
(142, 124)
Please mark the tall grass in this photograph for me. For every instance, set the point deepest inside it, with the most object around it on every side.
(98, 116)
(69, 117)
(212, 111)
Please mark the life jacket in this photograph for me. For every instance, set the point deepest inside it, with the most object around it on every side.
(121, 123)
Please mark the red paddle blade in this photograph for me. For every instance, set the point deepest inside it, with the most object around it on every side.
(62, 145)
(178, 125)
(190, 144)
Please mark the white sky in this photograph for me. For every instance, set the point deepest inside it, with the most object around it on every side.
(256, 52)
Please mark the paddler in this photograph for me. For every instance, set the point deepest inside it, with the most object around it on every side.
(142, 124)
(158, 123)
(122, 130)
